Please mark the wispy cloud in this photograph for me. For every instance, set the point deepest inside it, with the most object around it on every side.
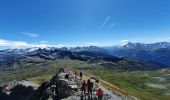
(112, 25)
(105, 22)
(32, 35)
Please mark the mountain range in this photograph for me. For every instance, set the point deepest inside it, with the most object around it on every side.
(156, 52)
(129, 67)
(132, 56)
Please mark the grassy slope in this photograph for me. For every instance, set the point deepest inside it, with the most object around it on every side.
(132, 82)
(38, 72)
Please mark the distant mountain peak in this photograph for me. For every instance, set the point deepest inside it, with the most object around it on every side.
(157, 45)
(157, 52)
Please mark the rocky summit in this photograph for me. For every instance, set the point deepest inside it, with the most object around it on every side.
(63, 86)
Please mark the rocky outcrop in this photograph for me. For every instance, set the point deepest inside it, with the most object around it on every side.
(63, 86)
(16, 91)
(57, 88)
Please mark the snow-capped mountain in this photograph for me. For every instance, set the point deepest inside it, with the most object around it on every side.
(157, 52)
(158, 45)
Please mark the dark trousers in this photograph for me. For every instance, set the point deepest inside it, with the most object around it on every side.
(100, 97)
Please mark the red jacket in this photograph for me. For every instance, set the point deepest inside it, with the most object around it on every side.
(84, 84)
(99, 92)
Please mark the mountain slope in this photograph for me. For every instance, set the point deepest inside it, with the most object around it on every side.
(156, 52)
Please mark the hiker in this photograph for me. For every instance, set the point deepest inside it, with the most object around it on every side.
(97, 81)
(81, 75)
(90, 87)
(99, 93)
(75, 74)
(67, 76)
(83, 87)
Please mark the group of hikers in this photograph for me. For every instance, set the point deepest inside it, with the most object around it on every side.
(88, 87)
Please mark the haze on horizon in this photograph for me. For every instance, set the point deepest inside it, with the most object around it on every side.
(29, 23)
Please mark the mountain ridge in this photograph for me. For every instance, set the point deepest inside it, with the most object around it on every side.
(131, 52)
(98, 58)
(156, 52)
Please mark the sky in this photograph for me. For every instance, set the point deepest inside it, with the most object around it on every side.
(41, 23)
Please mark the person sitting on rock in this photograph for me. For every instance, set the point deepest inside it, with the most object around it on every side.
(83, 87)
(100, 93)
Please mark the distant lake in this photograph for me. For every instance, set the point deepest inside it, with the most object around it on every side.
(156, 85)
(160, 78)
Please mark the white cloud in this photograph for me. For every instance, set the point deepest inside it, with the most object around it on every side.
(105, 22)
(60, 45)
(4, 43)
(92, 43)
(100, 44)
(23, 44)
(32, 35)
(13, 44)
(124, 42)
(47, 45)
(150, 39)
(167, 39)
(42, 44)
(43, 41)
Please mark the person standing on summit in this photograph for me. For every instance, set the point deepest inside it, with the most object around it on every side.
(90, 87)
(100, 93)
(83, 87)
(75, 74)
(81, 75)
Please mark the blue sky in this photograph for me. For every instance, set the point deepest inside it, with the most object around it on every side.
(27, 23)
